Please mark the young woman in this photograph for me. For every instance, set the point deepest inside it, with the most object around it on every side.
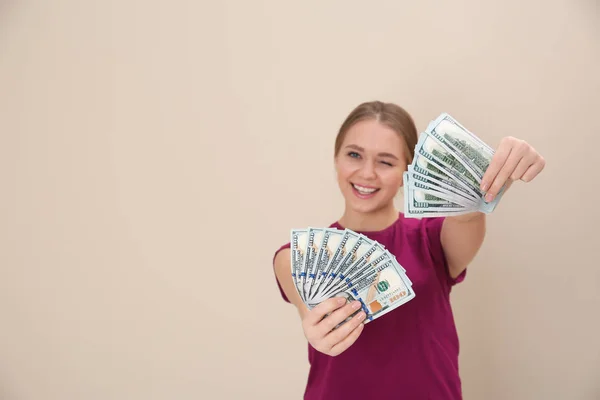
(411, 352)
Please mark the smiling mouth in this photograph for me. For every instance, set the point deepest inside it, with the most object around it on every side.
(364, 191)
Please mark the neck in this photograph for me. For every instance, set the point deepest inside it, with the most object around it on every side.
(373, 221)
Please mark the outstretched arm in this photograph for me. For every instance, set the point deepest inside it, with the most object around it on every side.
(462, 236)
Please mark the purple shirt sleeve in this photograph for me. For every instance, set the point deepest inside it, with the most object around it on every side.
(285, 246)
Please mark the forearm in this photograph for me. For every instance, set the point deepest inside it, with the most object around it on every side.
(474, 217)
(462, 237)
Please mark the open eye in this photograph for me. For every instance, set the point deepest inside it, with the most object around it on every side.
(353, 154)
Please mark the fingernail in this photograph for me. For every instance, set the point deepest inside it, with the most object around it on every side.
(361, 315)
(341, 300)
(356, 305)
(489, 197)
(484, 186)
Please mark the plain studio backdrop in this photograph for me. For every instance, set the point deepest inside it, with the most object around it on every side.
(154, 155)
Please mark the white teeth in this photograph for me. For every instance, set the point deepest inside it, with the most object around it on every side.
(364, 190)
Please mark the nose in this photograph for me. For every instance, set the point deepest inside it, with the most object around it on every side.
(368, 171)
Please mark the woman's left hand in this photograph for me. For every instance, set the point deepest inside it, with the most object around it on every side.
(514, 160)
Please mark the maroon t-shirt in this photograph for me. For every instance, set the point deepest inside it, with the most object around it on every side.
(411, 352)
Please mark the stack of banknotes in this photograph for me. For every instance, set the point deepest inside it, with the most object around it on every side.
(329, 262)
(445, 175)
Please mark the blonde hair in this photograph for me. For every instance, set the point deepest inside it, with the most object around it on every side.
(389, 114)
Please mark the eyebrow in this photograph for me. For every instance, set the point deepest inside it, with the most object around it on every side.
(355, 147)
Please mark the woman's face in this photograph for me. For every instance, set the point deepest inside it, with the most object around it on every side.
(369, 166)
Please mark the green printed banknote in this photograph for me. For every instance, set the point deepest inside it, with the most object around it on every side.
(445, 175)
(330, 262)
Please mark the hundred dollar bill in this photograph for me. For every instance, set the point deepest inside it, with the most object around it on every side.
(354, 242)
(436, 153)
(365, 247)
(414, 209)
(315, 237)
(433, 185)
(361, 270)
(330, 242)
(439, 206)
(382, 291)
(470, 150)
(439, 154)
(401, 269)
(428, 168)
(361, 247)
(426, 205)
(343, 244)
(432, 192)
(422, 194)
(374, 251)
(298, 245)
(429, 197)
(432, 213)
(447, 117)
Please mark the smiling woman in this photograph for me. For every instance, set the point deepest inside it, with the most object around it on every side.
(412, 352)
(372, 150)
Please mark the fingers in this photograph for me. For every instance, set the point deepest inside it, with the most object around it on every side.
(534, 170)
(331, 328)
(347, 341)
(322, 309)
(339, 334)
(498, 160)
(337, 317)
(514, 158)
(521, 168)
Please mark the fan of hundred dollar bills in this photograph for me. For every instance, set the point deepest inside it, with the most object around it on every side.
(328, 262)
(445, 175)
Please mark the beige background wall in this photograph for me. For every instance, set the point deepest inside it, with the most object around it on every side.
(153, 155)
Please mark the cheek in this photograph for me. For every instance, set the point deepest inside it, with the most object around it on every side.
(344, 170)
(392, 178)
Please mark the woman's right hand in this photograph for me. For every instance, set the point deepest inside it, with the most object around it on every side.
(319, 326)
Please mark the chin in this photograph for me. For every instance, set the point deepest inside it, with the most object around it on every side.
(362, 209)
(365, 206)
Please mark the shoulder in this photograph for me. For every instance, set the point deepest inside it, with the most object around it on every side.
(281, 259)
(281, 268)
(425, 233)
(423, 229)
(281, 253)
(421, 223)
